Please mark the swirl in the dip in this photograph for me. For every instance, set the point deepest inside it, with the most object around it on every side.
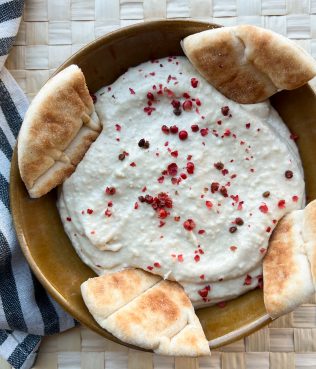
(182, 182)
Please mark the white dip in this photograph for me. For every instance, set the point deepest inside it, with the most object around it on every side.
(245, 149)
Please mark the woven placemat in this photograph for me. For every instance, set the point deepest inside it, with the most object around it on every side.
(51, 30)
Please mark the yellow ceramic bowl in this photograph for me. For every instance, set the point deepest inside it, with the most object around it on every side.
(37, 222)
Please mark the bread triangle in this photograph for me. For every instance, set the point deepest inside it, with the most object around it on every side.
(248, 64)
(155, 314)
(58, 128)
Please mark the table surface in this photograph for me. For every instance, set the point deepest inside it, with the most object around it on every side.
(51, 30)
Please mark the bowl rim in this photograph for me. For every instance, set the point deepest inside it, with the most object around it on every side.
(113, 35)
(52, 290)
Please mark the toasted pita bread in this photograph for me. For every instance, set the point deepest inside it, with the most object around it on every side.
(309, 236)
(57, 130)
(286, 272)
(141, 309)
(248, 64)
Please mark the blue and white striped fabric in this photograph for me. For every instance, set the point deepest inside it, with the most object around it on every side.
(27, 312)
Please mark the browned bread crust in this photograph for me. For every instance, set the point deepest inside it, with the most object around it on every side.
(57, 130)
(248, 64)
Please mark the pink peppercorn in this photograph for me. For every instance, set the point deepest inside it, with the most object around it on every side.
(194, 82)
(204, 132)
(248, 280)
(190, 167)
(183, 135)
(225, 110)
(150, 96)
(189, 224)
(195, 128)
(263, 208)
(187, 105)
(175, 103)
(165, 129)
(281, 204)
(174, 129)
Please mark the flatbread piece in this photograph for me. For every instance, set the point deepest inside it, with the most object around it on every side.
(57, 130)
(309, 236)
(248, 64)
(142, 309)
(287, 276)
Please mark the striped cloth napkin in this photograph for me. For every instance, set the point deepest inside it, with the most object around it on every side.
(27, 312)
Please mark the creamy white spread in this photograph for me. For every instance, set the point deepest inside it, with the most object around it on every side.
(182, 182)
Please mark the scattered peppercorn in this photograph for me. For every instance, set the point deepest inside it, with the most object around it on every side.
(263, 208)
(176, 104)
(248, 280)
(194, 82)
(143, 143)
(187, 105)
(288, 174)
(174, 129)
(204, 292)
(150, 96)
(183, 135)
(281, 204)
(239, 221)
(225, 110)
(204, 132)
(172, 169)
(149, 199)
(110, 191)
(122, 156)
(165, 129)
(194, 128)
(177, 111)
(189, 224)
(232, 229)
(190, 167)
(214, 187)
(223, 191)
(219, 165)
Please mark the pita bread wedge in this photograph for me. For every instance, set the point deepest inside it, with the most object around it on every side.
(57, 130)
(248, 64)
(309, 236)
(156, 314)
(286, 272)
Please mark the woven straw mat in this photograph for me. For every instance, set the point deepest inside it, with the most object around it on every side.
(51, 30)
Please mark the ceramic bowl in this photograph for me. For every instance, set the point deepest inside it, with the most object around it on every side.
(37, 222)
